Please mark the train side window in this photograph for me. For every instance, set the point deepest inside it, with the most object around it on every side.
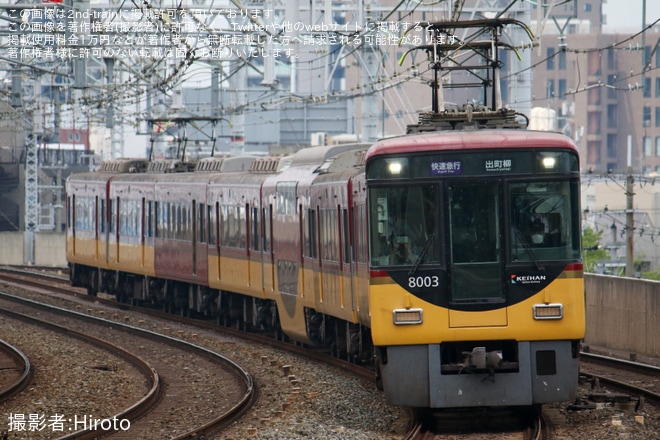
(126, 217)
(95, 216)
(121, 216)
(286, 198)
(232, 222)
(111, 216)
(310, 248)
(129, 211)
(187, 222)
(78, 213)
(169, 229)
(162, 232)
(172, 230)
(89, 224)
(201, 223)
(224, 225)
(85, 217)
(267, 221)
(177, 221)
(185, 231)
(191, 218)
(69, 211)
(211, 222)
(242, 227)
(138, 209)
(92, 214)
(174, 223)
(93, 224)
(167, 217)
(149, 219)
(189, 212)
(329, 235)
(184, 217)
(169, 214)
(362, 231)
(255, 229)
(233, 226)
(78, 216)
(346, 236)
(103, 226)
(129, 217)
(134, 216)
(360, 244)
(180, 221)
(159, 219)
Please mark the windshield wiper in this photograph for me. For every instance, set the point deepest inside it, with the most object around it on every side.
(422, 254)
(529, 250)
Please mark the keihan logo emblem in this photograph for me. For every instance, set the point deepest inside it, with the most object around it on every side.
(527, 279)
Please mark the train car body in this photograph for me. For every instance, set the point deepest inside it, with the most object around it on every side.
(476, 291)
(93, 225)
(85, 237)
(129, 237)
(236, 255)
(451, 260)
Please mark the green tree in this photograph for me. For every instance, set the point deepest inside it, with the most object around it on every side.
(652, 275)
(593, 253)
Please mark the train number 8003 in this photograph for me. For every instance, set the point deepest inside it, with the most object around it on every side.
(421, 282)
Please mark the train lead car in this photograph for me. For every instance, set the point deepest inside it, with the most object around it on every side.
(476, 291)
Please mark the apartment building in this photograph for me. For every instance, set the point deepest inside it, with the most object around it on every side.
(603, 88)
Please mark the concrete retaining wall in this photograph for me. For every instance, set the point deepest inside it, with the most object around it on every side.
(623, 314)
(49, 248)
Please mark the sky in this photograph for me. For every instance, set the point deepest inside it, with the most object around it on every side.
(626, 15)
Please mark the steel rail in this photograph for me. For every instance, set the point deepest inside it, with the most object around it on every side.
(22, 364)
(140, 408)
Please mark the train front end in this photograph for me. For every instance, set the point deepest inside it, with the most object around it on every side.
(476, 281)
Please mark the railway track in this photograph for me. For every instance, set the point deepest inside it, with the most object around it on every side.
(171, 388)
(639, 382)
(293, 389)
(555, 415)
(59, 283)
(15, 369)
(483, 423)
(414, 430)
(53, 280)
(130, 415)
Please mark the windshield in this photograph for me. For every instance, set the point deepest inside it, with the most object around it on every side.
(403, 223)
(543, 223)
(541, 214)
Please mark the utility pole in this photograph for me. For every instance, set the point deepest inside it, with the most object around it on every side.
(630, 219)
(32, 207)
(630, 180)
(520, 86)
(643, 39)
(369, 72)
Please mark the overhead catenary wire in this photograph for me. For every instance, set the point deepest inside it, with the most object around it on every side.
(133, 90)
